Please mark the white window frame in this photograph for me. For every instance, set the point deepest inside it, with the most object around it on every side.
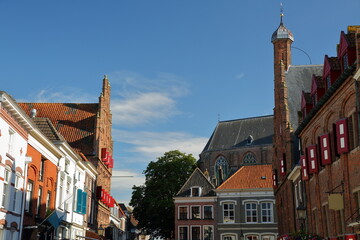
(251, 211)
(11, 141)
(187, 212)
(252, 234)
(191, 231)
(191, 212)
(233, 236)
(187, 231)
(195, 187)
(271, 209)
(208, 226)
(29, 193)
(233, 210)
(6, 186)
(212, 211)
(271, 235)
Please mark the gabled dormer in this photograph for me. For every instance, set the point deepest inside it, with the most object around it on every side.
(306, 104)
(317, 89)
(332, 70)
(346, 50)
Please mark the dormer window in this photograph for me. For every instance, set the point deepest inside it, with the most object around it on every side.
(345, 60)
(195, 192)
(249, 140)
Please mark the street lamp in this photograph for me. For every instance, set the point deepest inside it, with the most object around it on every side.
(101, 230)
(301, 214)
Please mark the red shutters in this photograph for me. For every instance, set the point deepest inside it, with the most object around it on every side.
(325, 151)
(107, 158)
(342, 138)
(312, 159)
(304, 168)
(274, 179)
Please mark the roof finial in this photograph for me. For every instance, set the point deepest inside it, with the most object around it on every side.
(281, 13)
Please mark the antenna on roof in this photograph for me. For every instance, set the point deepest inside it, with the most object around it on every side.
(303, 52)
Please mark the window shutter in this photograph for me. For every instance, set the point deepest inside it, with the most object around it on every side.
(304, 168)
(312, 159)
(83, 207)
(103, 192)
(325, 150)
(274, 179)
(283, 165)
(112, 202)
(342, 138)
(79, 201)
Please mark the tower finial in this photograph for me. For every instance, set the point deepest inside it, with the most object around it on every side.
(281, 13)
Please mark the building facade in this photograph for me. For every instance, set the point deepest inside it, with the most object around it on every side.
(246, 205)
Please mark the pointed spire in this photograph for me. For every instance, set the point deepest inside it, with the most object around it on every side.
(282, 32)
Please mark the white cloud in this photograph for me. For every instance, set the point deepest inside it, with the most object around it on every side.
(154, 144)
(138, 100)
(240, 76)
(63, 95)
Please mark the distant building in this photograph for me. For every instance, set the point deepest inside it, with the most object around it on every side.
(236, 143)
(195, 209)
(246, 205)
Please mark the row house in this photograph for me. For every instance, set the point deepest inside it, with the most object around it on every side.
(329, 134)
(316, 139)
(242, 207)
(87, 146)
(14, 134)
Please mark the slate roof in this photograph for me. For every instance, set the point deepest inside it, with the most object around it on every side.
(298, 79)
(75, 122)
(48, 129)
(249, 177)
(234, 133)
(197, 178)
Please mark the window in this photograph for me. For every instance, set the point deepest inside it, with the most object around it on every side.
(328, 81)
(251, 212)
(266, 212)
(38, 206)
(251, 237)
(48, 197)
(208, 233)
(221, 169)
(41, 172)
(208, 212)
(67, 165)
(29, 193)
(195, 233)
(61, 192)
(249, 158)
(6, 188)
(195, 212)
(195, 191)
(267, 237)
(16, 197)
(345, 61)
(229, 212)
(183, 233)
(228, 237)
(326, 223)
(11, 141)
(183, 213)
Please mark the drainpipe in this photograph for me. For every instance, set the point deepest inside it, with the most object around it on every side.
(28, 160)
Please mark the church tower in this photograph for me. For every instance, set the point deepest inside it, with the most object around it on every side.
(282, 39)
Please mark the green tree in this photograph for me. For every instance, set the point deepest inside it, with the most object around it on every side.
(152, 202)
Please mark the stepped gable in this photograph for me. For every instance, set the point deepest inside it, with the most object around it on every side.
(249, 177)
(235, 133)
(198, 179)
(297, 81)
(75, 122)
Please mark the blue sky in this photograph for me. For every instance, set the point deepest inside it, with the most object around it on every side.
(175, 66)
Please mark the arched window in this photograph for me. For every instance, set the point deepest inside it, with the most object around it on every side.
(249, 158)
(221, 169)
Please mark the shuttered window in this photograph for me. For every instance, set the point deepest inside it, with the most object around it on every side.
(342, 138)
(325, 150)
(304, 168)
(312, 159)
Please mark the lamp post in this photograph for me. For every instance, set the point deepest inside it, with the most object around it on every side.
(301, 214)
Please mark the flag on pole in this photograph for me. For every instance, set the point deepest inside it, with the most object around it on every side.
(56, 218)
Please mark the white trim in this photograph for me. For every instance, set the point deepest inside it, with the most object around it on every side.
(222, 235)
(212, 211)
(195, 200)
(228, 201)
(213, 231)
(194, 187)
(194, 226)
(187, 211)
(187, 232)
(191, 206)
(250, 200)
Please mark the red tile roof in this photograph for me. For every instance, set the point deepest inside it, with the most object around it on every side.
(75, 122)
(249, 177)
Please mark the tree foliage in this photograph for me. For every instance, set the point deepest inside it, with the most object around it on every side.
(153, 202)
